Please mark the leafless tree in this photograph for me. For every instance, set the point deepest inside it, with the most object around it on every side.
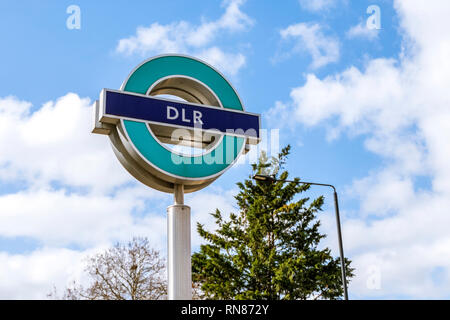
(132, 271)
(197, 293)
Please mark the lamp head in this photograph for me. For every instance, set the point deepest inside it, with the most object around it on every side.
(263, 178)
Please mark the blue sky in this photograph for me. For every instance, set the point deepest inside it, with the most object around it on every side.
(363, 109)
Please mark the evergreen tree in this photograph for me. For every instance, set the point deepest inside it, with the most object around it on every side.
(269, 250)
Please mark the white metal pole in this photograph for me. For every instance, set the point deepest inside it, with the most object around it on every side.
(179, 248)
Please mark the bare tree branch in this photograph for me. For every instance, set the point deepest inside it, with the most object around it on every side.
(132, 271)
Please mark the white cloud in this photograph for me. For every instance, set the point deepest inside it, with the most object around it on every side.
(36, 274)
(317, 5)
(361, 31)
(183, 37)
(33, 275)
(156, 38)
(280, 113)
(232, 63)
(402, 108)
(60, 219)
(55, 144)
(310, 38)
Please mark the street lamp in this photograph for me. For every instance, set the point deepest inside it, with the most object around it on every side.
(265, 178)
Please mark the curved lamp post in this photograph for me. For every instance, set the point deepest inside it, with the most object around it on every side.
(265, 178)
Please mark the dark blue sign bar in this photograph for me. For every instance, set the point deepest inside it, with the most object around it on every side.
(119, 104)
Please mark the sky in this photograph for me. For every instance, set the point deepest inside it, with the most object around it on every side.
(359, 89)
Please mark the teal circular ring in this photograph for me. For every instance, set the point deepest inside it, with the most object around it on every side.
(205, 166)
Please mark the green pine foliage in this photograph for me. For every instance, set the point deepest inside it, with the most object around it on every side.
(269, 249)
